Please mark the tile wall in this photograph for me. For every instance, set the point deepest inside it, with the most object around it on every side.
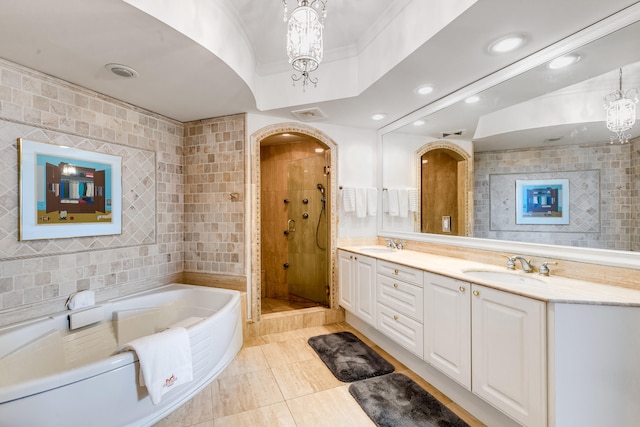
(608, 211)
(214, 196)
(37, 276)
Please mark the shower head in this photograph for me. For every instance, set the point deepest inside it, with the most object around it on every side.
(321, 188)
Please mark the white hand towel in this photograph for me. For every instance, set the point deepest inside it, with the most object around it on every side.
(165, 361)
(349, 199)
(403, 202)
(413, 200)
(361, 202)
(392, 195)
(372, 201)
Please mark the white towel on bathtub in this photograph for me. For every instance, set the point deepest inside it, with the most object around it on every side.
(165, 360)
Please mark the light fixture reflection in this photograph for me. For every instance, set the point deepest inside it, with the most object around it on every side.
(621, 112)
(507, 44)
(564, 61)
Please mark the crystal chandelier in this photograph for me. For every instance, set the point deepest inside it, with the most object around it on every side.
(621, 112)
(304, 38)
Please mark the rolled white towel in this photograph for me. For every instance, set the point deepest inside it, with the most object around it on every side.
(392, 197)
(361, 202)
(372, 201)
(413, 200)
(81, 299)
(403, 202)
(349, 199)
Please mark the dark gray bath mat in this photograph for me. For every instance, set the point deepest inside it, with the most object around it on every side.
(348, 358)
(395, 400)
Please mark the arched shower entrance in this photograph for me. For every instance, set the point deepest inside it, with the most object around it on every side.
(257, 206)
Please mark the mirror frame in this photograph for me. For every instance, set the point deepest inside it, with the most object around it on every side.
(614, 258)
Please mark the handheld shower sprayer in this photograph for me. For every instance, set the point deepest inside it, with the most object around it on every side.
(321, 188)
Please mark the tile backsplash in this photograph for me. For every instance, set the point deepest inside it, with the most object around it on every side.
(37, 276)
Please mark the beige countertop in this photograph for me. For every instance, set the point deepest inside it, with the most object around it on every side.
(550, 288)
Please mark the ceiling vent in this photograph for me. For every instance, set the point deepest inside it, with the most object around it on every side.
(453, 133)
(309, 114)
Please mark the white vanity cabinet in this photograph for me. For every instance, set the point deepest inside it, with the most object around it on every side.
(357, 282)
(400, 313)
(447, 326)
(491, 342)
(508, 348)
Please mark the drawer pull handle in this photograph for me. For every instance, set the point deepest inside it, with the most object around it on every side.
(462, 289)
(476, 293)
(395, 285)
(395, 272)
(395, 317)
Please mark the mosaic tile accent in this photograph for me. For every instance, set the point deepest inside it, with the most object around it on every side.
(584, 203)
(138, 195)
(612, 164)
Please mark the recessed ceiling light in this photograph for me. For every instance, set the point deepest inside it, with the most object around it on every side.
(507, 44)
(319, 150)
(419, 122)
(122, 70)
(378, 116)
(472, 99)
(424, 89)
(564, 61)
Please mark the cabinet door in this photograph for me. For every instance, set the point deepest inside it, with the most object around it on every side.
(509, 354)
(366, 289)
(447, 326)
(346, 273)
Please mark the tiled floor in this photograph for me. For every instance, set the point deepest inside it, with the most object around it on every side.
(273, 305)
(278, 380)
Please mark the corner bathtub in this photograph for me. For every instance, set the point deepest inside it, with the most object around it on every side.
(52, 376)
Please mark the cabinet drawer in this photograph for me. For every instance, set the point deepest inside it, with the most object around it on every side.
(408, 274)
(401, 296)
(401, 329)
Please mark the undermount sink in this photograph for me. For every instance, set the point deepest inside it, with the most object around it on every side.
(504, 277)
(378, 249)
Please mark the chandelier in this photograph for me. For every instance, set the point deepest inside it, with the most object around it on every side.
(621, 112)
(304, 38)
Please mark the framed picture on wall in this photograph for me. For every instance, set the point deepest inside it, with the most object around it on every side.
(67, 192)
(542, 201)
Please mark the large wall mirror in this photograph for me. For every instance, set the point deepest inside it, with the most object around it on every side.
(534, 128)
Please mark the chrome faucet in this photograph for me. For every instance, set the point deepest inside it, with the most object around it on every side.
(390, 243)
(525, 263)
(393, 244)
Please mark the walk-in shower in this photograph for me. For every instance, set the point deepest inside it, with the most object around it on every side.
(294, 221)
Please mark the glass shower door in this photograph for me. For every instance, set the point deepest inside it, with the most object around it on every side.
(307, 275)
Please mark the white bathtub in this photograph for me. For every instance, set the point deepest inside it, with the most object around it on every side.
(51, 376)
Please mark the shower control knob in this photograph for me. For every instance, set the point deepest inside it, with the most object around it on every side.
(286, 232)
(305, 201)
(305, 215)
(286, 200)
(285, 265)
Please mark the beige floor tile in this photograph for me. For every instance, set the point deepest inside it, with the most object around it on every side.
(276, 415)
(330, 408)
(232, 395)
(197, 410)
(305, 377)
(253, 341)
(287, 352)
(249, 359)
